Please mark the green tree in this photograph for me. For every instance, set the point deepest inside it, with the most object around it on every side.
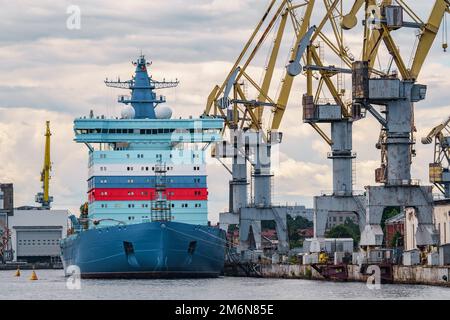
(388, 213)
(268, 225)
(294, 224)
(348, 229)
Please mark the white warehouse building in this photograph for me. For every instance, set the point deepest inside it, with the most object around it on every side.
(35, 233)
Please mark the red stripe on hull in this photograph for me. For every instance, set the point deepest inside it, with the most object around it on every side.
(143, 194)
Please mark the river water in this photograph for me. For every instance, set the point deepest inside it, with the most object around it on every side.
(52, 285)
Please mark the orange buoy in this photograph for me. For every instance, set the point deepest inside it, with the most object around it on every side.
(33, 276)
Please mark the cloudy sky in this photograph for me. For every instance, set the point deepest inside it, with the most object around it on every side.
(51, 72)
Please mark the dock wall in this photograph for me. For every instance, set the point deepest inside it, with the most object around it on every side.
(426, 275)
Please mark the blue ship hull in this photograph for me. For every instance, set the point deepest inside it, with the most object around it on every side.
(146, 250)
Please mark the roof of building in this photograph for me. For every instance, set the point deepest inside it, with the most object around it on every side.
(396, 219)
(441, 202)
(308, 232)
(270, 234)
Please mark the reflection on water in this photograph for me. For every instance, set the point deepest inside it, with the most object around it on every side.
(52, 285)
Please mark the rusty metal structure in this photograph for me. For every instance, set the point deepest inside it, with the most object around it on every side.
(439, 169)
(387, 95)
(327, 102)
(396, 93)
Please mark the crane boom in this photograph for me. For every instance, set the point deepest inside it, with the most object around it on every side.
(428, 35)
(439, 169)
(288, 80)
(44, 197)
(436, 132)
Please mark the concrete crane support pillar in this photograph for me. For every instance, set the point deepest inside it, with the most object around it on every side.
(251, 216)
(399, 190)
(398, 144)
(342, 198)
(262, 176)
(238, 184)
(342, 157)
(249, 233)
(238, 196)
(323, 205)
(418, 197)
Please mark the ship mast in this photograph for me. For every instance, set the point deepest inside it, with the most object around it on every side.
(143, 98)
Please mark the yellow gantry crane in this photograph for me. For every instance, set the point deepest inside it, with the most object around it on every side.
(381, 20)
(439, 170)
(44, 197)
(231, 101)
(427, 33)
(326, 100)
(252, 104)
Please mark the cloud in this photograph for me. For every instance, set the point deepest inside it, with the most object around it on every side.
(49, 72)
(22, 141)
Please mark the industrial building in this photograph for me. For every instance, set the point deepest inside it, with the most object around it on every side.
(441, 218)
(337, 218)
(300, 211)
(6, 210)
(29, 233)
(395, 231)
(35, 234)
(32, 233)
